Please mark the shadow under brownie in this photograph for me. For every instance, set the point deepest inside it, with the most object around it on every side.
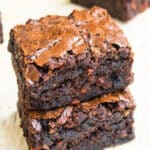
(121, 9)
(92, 125)
(61, 60)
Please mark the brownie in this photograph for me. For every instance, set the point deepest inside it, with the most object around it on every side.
(121, 9)
(92, 125)
(61, 60)
(1, 30)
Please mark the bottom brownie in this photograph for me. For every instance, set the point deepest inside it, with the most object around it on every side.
(92, 125)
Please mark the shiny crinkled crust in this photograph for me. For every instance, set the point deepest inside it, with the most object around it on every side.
(52, 36)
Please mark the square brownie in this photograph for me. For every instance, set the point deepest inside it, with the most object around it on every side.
(1, 30)
(61, 60)
(121, 9)
(92, 125)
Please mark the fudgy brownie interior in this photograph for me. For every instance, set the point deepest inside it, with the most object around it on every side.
(62, 60)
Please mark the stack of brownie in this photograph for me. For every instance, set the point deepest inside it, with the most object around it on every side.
(121, 9)
(72, 75)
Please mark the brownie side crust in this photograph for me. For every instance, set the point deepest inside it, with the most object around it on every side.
(1, 30)
(121, 9)
(91, 125)
(61, 60)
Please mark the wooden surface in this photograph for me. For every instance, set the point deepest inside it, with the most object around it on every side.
(138, 32)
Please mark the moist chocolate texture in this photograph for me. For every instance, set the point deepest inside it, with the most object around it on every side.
(121, 9)
(61, 60)
(92, 125)
(72, 73)
(1, 30)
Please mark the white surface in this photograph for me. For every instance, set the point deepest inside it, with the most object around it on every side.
(138, 33)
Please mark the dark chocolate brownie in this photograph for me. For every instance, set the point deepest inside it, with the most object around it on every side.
(91, 125)
(1, 30)
(121, 9)
(61, 60)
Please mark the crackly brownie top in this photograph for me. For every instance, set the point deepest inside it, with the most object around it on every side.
(53, 36)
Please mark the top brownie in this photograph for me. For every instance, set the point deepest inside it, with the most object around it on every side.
(60, 60)
(121, 9)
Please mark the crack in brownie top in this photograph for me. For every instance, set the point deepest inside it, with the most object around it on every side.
(53, 36)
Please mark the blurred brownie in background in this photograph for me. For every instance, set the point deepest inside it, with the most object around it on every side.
(1, 30)
(121, 9)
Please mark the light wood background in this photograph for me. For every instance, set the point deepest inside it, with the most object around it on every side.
(138, 32)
